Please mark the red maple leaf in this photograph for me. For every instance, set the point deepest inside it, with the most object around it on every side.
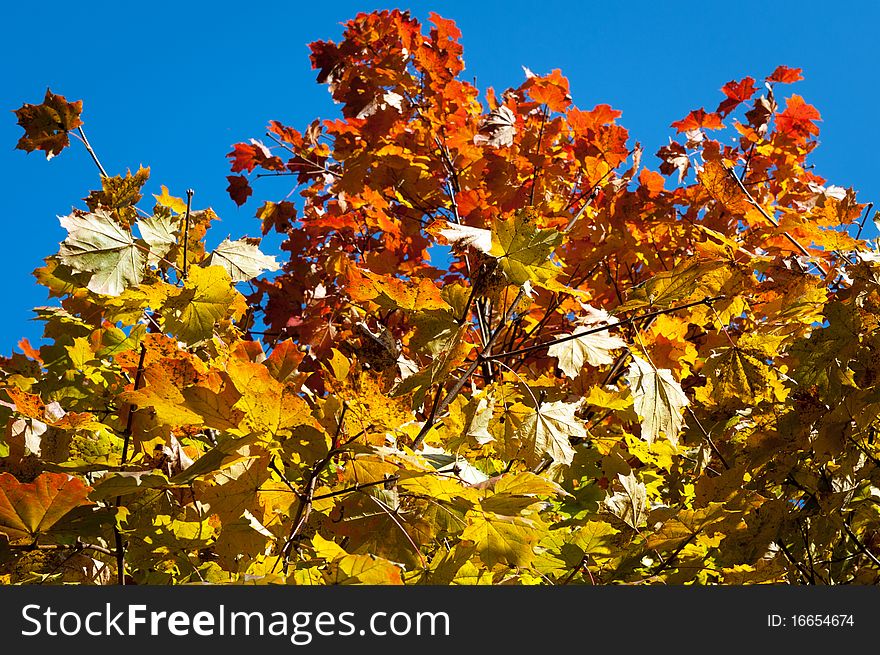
(697, 119)
(581, 121)
(551, 90)
(798, 119)
(785, 75)
(239, 189)
(736, 92)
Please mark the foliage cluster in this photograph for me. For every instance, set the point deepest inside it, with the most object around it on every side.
(501, 350)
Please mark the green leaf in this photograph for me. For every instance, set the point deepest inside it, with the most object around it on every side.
(242, 260)
(98, 245)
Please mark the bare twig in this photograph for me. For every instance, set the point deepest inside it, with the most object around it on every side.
(133, 408)
(357, 487)
(77, 547)
(537, 167)
(189, 197)
(601, 328)
(664, 564)
(709, 439)
(482, 357)
(85, 141)
(862, 548)
(129, 423)
(864, 219)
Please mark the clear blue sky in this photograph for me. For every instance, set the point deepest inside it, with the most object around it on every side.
(173, 84)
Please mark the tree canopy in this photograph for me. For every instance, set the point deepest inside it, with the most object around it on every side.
(499, 346)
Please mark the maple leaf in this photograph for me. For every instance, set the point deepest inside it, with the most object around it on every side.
(594, 349)
(551, 90)
(29, 509)
(276, 216)
(46, 125)
(629, 505)
(785, 75)
(120, 195)
(547, 431)
(465, 235)
(242, 259)
(173, 203)
(582, 122)
(674, 158)
(699, 119)
(658, 400)
(247, 156)
(737, 93)
(387, 423)
(388, 291)
(798, 118)
(239, 189)
(206, 298)
(523, 250)
(502, 539)
(160, 234)
(97, 244)
(498, 129)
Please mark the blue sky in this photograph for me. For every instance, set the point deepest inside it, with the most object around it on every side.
(173, 84)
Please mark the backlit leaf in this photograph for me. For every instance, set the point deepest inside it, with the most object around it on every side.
(658, 400)
(29, 509)
(241, 259)
(97, 244)
(46, 125)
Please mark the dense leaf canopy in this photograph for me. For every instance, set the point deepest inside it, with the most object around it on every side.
(501, 349)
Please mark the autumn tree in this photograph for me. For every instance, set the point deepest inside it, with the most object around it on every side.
(501, 349)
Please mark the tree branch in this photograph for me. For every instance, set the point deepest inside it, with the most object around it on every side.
(189, 197)
(456, 388)
(754, 203)
(90, 150)
(117, 535)
(601, 328)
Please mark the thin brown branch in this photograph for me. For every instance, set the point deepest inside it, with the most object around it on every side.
(868, 209)
(709, 439)
(78, 546)
(537, 167)
(357, 487)
(189, 197)
(91, 151)
(459, 384)
(862, 548)
(129, 423)
(754, 203)
(601, 328)
(664, 564)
